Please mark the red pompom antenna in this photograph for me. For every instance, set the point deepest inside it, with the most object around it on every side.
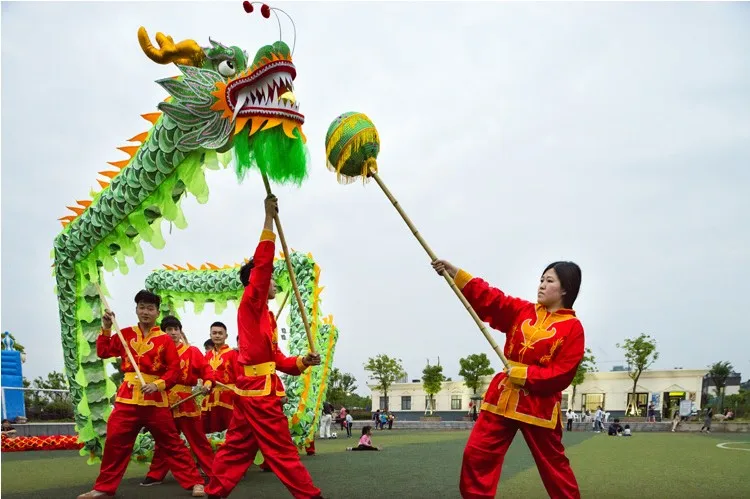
(265, 11)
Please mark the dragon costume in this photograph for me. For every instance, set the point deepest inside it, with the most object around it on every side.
(222, 105)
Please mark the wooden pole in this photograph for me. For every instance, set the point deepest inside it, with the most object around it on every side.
(292, 277)
(122, 338)
(185, 400)
(286, 297)
(219, 383)
(448, 278)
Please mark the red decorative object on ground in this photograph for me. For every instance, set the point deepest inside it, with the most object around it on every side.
(51, 442)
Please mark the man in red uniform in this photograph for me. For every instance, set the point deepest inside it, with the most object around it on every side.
(137, 406)
(259, 421)
(222, 360)
(187, 415)
(544, 343)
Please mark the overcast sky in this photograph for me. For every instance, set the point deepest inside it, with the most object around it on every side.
(614, 135)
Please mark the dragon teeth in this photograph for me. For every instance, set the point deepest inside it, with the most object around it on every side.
(241, 99)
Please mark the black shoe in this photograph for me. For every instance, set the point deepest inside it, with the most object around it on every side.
(148, 481)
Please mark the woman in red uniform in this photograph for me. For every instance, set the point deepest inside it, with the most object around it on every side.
(187, 415)
(544, 344)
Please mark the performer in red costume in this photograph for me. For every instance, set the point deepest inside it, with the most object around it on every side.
(187, 415)
(222, 360)
(544, 343)
(259, 422)
(138, 406)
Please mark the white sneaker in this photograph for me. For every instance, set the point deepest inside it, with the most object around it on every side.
(198, 491)
(93, 494)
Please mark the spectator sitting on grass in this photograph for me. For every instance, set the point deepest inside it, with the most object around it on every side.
(365, 442)
(626, 431)
(615, 429)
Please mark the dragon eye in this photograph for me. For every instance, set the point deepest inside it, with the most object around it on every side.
(226, 68)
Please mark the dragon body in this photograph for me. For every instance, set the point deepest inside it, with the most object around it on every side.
(222, 106)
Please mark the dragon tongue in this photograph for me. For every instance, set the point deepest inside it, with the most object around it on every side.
(288, 96)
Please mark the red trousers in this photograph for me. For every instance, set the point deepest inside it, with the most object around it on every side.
(216, 420)
(486, 448)
(192, 428)
(123, 426)
(259, 423)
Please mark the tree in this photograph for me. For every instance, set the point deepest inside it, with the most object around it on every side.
(432, 380)
(46, 405)
(473, 368)
(719, 373)
(739, 403)
(587, 365)
(340, 386)
(385, 371)
(640, 354)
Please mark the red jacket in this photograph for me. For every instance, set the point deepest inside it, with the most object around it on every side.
(193, 366)
(222, 367)
(157, 359)
(544, 350)
(259, 355)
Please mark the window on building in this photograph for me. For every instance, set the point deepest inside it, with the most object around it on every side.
(406, 403)
(592, 401)
(641, 401)
(455, 402)
(384, 403)
(564, 402)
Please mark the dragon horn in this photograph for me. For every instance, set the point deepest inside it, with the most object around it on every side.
(186, 52)
(217, 44)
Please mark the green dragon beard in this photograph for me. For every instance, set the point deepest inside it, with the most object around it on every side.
(276, 155)
(279, 156)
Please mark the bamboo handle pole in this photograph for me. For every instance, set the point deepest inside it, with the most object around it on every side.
(292, 277)
(219, 383)
(283, 303)
(122, 338)
(448, 278)
(185, 400)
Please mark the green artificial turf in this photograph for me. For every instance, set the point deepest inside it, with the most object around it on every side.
(417, 464)
(663, 465)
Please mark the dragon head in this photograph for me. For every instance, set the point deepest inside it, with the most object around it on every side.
(264, 91)
(221, 94)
